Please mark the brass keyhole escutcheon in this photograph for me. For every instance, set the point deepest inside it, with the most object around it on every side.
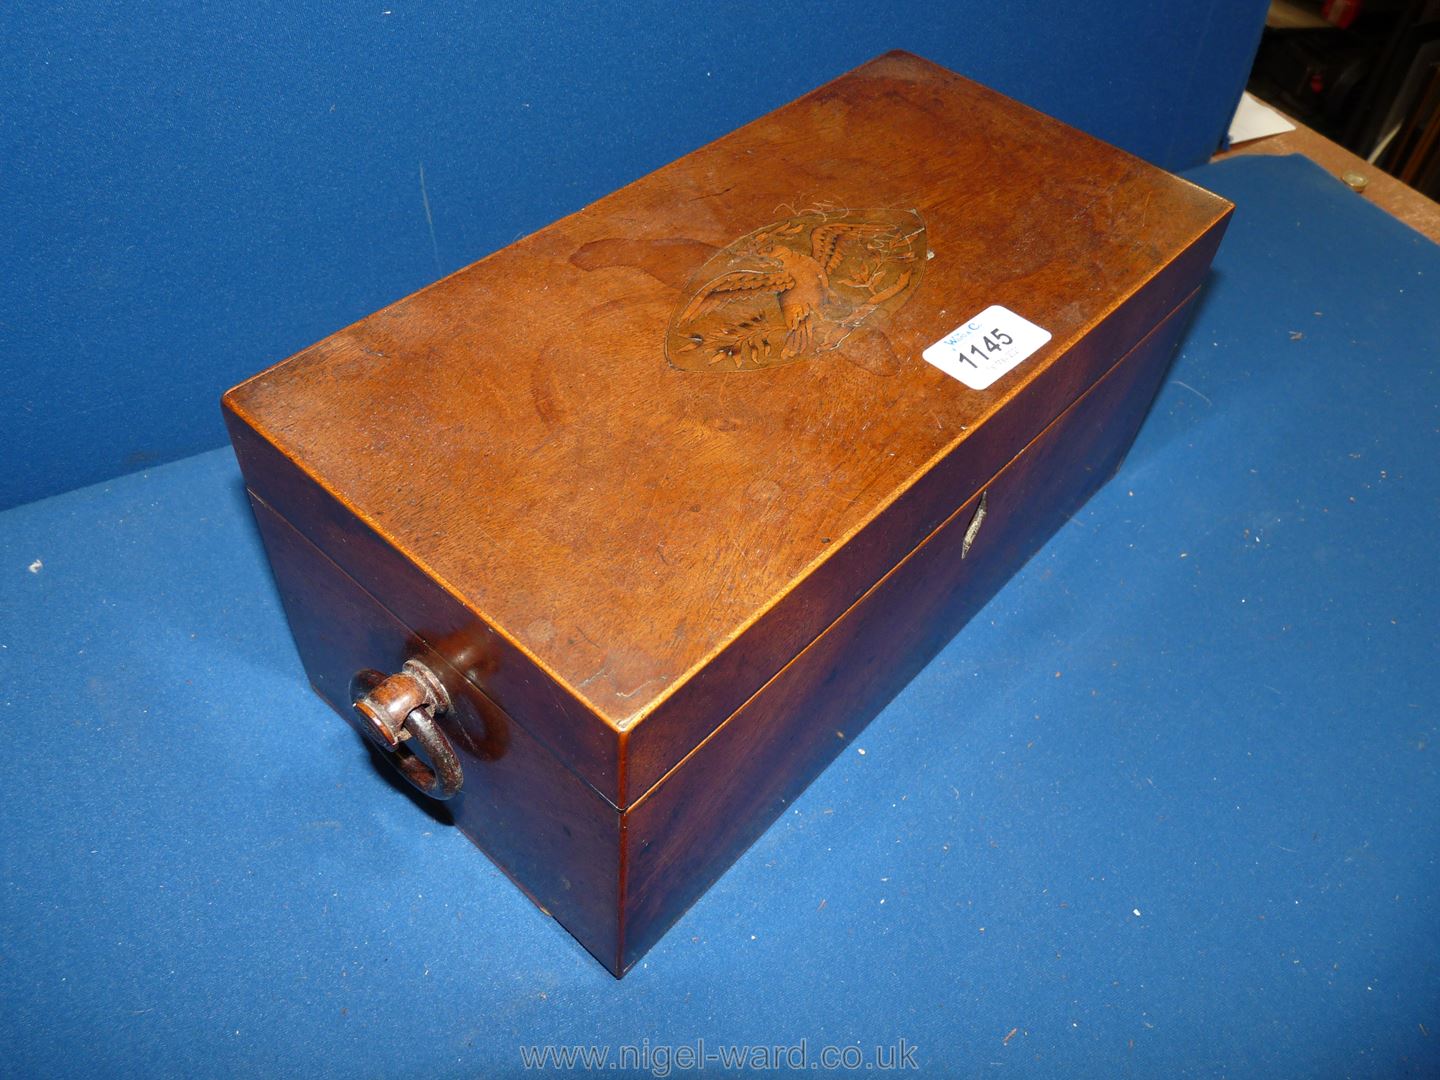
(974, 528)
(398, 714)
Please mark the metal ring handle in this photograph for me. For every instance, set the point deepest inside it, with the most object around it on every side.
(436, 771)
(399, 714)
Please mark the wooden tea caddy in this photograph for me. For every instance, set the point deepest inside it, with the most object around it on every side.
(618, 536)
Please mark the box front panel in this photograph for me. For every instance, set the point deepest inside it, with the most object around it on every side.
(684, 833)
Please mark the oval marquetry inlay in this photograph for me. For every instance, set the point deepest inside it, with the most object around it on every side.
(796, 288)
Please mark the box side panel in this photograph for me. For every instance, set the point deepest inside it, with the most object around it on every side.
(550, 832)
(680, 721)
(489, 660)
(683, 834)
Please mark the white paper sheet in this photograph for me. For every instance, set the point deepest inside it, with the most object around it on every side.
(1254, 120)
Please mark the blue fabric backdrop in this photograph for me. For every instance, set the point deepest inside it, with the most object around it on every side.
(192, 192)
(1166, 807)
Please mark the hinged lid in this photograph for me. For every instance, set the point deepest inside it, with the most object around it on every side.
(625, 469)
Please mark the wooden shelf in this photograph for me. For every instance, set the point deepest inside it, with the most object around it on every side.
(1420, 213)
